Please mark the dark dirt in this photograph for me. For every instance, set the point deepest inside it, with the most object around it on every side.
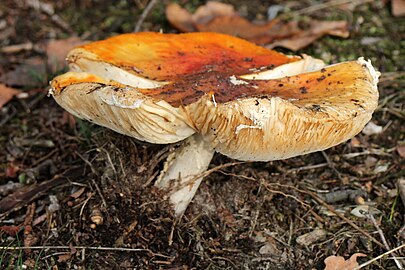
(246, 216)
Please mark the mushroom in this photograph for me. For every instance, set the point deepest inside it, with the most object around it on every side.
(215, 93)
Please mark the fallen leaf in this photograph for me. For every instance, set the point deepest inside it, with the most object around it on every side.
(339, 263)
(222, 18)
(401, 150)
(316, 30)
(77, 193)
(31, 73)
(12, 170)
(10, 230)
(57, 50)
(180, 18)
(64, 257)
(311, 237)
(398, 7)
(211, 10)
(239, 26)
(6, 94)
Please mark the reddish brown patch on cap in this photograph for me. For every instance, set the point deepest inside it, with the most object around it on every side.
(171, 57)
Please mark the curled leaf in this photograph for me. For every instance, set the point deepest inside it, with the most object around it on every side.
(339, 263)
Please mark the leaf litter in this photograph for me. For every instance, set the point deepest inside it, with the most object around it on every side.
(222, 18)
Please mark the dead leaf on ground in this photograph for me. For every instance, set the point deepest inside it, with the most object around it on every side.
(30, 73)
(339, 263)
(211, 10)
(64, 257)
(316, 30)
(10, 230)
(57, 50)
(401, 150)
(7, 93)
(398, 7)
(222, 18)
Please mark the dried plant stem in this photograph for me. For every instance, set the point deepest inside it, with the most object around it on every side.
(144, 14)
(48, 9)
(84, 247)
(384, 240)
(331, 165)
(329, 4)
(348, 221)
(330, 208)
(379, 257)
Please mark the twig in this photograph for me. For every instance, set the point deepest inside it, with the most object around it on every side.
(331, 165)
(384, 240)
(104, 203)
(83, 247)
(379, 257)
(330, 4)
(330, 208)
(49, 10)
(28, 46)
(144, 14)
(308, 167)
(348, 221)
(84, 204)
(377, 152)
(286, 195)
(208, 172)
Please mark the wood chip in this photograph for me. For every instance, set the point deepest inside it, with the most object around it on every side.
(312, 237)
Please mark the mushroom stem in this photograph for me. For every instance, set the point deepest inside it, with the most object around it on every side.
(180, 174)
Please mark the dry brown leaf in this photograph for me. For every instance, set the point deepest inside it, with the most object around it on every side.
(10, 230)
(78, 193)
(398, 7)
(401, 150)
(57, 50)
(6, 94)
(180, 18)
(31, 73)
(211, 10)
(237, 26)
(64, 257)
(222, 18)
(316, 30)
(339, 263)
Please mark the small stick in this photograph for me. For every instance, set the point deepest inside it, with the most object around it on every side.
(384, 240)
(77, 247)
(308, 167)
(49, 10)
(144, 14)
(329, 4)
(348, 221)
(17, 48)
(331, 165)
(379, 257)
(104, 203)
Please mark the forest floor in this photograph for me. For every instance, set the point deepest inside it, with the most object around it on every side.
(59, 174)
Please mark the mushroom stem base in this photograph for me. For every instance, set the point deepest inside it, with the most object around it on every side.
(181, 174)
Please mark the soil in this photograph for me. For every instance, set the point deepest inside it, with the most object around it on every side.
(67, 174)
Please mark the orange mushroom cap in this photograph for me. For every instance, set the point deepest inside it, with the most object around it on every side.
(249, 102)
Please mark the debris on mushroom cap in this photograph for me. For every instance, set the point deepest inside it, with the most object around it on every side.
(249, 102)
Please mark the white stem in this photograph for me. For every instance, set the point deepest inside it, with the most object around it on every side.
(178, 177)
